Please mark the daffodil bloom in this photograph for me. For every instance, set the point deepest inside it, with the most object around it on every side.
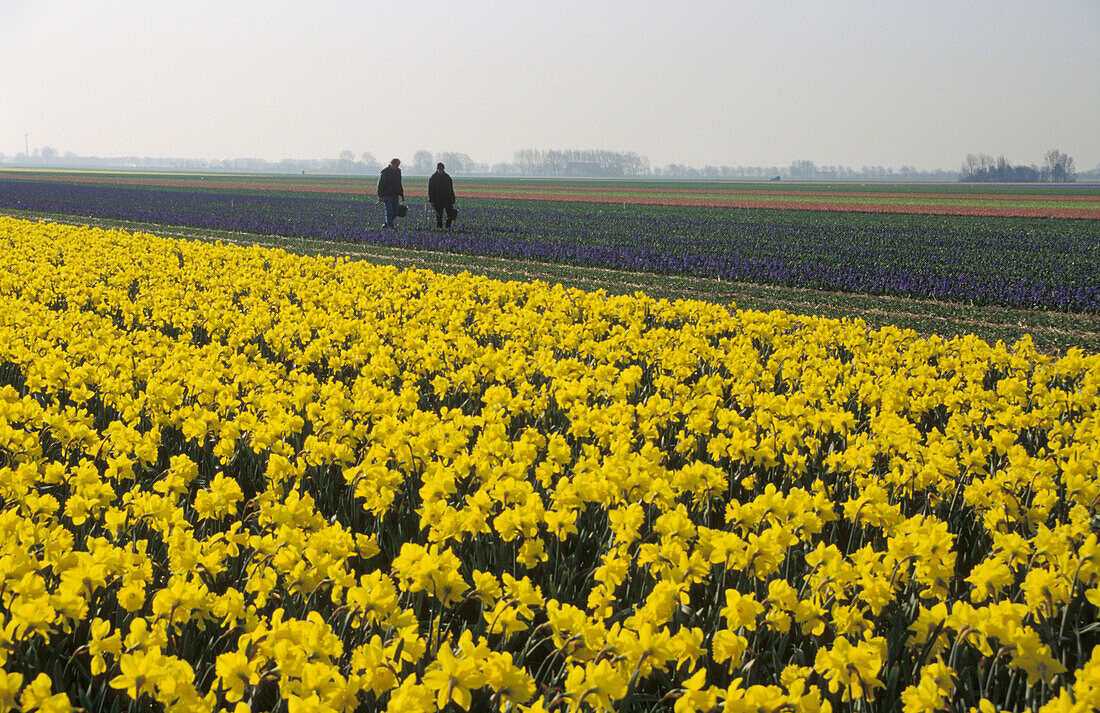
(988, 579)
(598, 684)
(412, 697)
(932, 691)
(131, 596)
(686, 646)
(311, 703)
(101, 641)
(1031, 655)
(453, 678)
(235, 673)
(508, 681)
(1086, 688)
(182, 600)
(486, 587)
(758, 698)
(852, 670)
(10, 685)
(696, 695)
(741, 610)
(146, 636)
(220, 499)
(1045, 592)
(38, 695)
(781, 602)
(728, 647)
(32, 615)
(811, 617)
(139, 672)
(375, 598)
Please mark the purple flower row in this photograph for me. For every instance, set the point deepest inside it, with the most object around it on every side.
(1019, 262)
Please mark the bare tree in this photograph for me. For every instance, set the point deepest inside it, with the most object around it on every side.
(1058, 167)
(457, 163)
(803, 169)
(422, 163)
(978, 167)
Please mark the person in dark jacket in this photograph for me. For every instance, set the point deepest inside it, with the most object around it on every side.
(390, 190)
(441, 194)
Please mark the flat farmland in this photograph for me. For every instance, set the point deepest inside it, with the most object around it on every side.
(251, 459)
(1061, 201)
(998, 261)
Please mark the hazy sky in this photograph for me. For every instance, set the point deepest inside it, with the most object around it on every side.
(854, 83)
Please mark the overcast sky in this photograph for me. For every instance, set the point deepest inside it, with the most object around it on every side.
(884, 83)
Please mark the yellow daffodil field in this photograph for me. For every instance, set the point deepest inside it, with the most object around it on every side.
(237, 478)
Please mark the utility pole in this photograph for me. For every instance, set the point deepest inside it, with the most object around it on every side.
(27, 138)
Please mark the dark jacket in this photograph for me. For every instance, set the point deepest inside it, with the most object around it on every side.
(441, 189)
(389, 183)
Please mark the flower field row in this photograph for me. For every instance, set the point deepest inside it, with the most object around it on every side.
(1024, 262)
(239, 478)
(845, 204)
(1065, 201)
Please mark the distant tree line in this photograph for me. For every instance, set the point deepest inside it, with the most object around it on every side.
(981, 168)
(1057, 167)
(459, 164)
(803, 170)
(47, 157)
(580, 164)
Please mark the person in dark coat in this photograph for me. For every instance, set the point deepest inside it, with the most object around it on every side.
(390, 190)
(441, 194)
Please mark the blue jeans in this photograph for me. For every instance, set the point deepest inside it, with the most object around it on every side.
(391, 208)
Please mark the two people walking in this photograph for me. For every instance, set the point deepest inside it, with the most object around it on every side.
(441, 194)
